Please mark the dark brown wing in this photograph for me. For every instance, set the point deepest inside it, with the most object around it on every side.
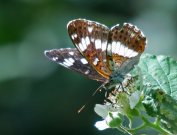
(125, 45)
(73, 60)
(91, 38)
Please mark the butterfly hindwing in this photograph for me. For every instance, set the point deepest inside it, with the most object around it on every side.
(73, 60)
(125, 45)
(91, 38)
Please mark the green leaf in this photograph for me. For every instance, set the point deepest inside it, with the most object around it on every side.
(115, 121)
(159, 72)
(160, 92)
(159, 104)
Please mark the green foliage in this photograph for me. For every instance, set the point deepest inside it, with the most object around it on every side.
(160, 79)
(151, 94)
(115, 120)
(159, 72)
(163, 106)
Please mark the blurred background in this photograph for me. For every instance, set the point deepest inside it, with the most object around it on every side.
(38, 97)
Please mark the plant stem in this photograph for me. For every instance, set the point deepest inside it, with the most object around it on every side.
(134, 130)
(156, 126)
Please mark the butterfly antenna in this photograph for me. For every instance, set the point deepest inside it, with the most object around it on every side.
(97, 90)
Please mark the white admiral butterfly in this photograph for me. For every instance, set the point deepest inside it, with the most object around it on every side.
(102, 54)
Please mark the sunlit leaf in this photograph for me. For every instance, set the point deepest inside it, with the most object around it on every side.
(159, 72)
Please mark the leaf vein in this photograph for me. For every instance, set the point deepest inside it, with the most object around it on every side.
(165, 76)
(153, 77)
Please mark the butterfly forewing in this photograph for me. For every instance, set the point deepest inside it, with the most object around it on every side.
(125, 45)
(91, 38)
(73, 60)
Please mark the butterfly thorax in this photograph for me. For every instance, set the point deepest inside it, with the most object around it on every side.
(115, 80)
(116, 77)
